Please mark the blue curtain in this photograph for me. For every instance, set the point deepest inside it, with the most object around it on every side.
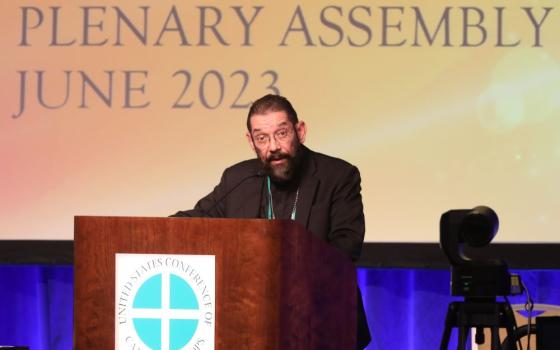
(406, 308)
(36, 306)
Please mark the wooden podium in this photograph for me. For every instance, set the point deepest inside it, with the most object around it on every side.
(277, 285)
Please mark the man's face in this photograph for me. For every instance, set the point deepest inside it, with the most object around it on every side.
(276, 141)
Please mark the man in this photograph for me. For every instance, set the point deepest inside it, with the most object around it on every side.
(289, 181)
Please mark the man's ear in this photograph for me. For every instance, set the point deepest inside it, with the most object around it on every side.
(250, 140)
(301, 130)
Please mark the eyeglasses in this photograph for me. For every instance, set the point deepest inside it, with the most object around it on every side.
(280, 135)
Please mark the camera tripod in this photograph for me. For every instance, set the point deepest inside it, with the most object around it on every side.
(479, 313)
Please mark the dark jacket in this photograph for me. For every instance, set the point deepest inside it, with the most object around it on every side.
(329, 204)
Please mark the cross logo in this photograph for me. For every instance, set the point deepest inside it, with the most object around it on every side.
(165, 302)
(165, 312)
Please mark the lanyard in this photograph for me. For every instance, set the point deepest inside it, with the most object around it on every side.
(270, 210)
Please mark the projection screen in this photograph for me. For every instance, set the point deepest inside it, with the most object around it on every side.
(135, 108)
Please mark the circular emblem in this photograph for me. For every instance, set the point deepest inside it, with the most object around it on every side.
(165, 303)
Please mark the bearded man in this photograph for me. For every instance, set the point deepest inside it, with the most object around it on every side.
(289, 181)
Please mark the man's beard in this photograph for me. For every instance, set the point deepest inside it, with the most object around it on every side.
(282, 172)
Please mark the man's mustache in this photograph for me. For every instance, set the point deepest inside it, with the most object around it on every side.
(277, 156)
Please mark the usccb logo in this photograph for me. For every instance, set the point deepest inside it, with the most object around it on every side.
(164, 302)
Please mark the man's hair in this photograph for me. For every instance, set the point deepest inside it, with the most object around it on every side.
(272, 103)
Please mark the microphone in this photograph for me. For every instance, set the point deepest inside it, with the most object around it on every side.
(206, 212)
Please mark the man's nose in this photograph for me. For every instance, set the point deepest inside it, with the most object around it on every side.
(274, 145)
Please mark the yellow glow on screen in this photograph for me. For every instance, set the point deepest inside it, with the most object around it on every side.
(135, 109)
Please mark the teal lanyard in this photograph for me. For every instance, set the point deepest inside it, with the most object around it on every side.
(270, 211)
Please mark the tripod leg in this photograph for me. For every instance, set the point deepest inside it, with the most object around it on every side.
(463, 336)
(445, 338)
(510, 324)
(450, 322)
(495, 335)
